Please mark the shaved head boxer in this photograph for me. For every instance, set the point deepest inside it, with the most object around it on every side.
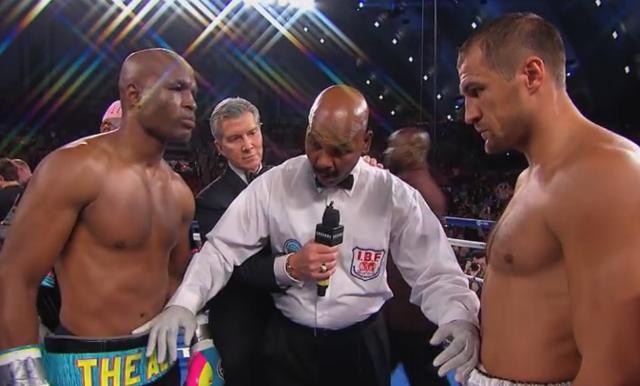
(561, 300)
(113, 219)
(340, 330)
(112, 118)
(24, 171)
(408, 329)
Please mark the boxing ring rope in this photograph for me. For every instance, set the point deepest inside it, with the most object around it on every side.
(467, 243)
(469, 223)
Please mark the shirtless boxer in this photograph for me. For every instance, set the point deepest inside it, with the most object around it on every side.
(112, 218)
(561, 301)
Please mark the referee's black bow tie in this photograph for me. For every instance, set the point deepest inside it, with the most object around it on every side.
(346, 184)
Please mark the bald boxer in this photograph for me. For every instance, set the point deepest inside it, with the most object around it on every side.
(561, 300)
(338, 338)
(112, 218)
(24, 171)
(112, 118)
(406, 157)
(408, 329)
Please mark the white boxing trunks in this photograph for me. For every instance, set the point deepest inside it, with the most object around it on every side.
(479, 378)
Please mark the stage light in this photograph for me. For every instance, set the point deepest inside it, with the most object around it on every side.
(381, 97)
(438, 96)
(474, 25)
(627, 69)
(410, 59)
(368, 82)
(376, 24)
(394, 41)
(425, 77)
(614, 34)
(393, 112)
(598, 3)
(304, 5)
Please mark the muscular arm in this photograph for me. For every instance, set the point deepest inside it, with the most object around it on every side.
(61, 186)
(595, 217)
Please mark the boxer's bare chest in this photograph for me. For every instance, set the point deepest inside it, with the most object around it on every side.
(136, 208)
(521, 241)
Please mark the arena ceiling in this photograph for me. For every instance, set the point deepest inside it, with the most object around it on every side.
(60, 58)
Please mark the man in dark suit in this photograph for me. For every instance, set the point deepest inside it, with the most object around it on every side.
(237, 315)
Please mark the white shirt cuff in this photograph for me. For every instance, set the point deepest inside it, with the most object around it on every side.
(185, 299)
(283, 279)
(458, 313)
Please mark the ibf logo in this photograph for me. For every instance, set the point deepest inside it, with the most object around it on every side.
(366, 263)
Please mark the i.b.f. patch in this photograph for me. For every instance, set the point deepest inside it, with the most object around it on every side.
(366, 263)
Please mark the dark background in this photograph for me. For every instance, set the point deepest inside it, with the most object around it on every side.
(59, 61)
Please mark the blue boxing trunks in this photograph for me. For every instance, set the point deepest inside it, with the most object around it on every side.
(75, 361)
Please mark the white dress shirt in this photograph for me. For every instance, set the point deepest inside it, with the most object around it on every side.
(380, 213)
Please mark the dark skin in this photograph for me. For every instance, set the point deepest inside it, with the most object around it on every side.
(401, 149)
(337, 137)
(108, 213)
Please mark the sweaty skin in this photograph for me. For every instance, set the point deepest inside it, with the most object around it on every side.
(108, 213)
(561, 299)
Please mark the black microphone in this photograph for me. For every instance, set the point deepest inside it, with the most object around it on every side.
(329, 232)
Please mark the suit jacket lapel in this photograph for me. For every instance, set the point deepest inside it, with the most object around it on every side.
(234, 181)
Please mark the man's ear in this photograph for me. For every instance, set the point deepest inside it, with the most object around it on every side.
(218, 147)
(367, 141)
(534, 72)
(133, 95)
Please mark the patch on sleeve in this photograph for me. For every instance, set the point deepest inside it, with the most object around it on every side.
(292, 246)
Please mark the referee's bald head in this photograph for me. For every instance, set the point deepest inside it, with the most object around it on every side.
(337, 134)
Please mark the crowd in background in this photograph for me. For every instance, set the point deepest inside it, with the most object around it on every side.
(474, 189)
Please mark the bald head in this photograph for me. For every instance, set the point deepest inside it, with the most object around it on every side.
(339, 111)
(24, 171)
(407, 149)
(157, 95)
(337, 134)
(408, 135)
(144, 69)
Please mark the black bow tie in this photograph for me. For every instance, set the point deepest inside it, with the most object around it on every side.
(252, 176)
(346, 184)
